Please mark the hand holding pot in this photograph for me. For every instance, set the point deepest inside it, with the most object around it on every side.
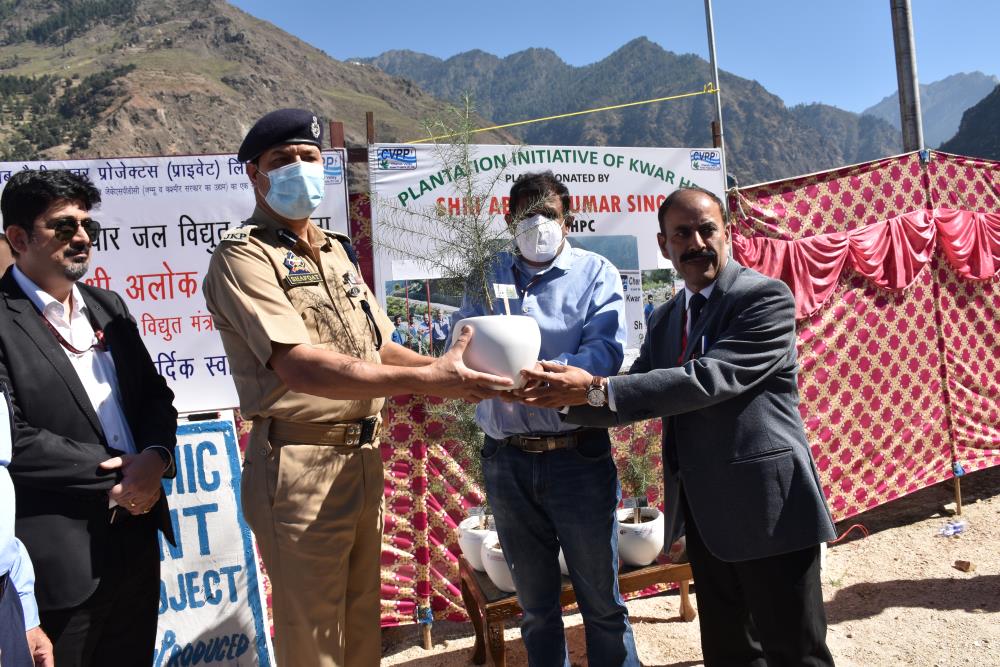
(449, 377)
(552, 385)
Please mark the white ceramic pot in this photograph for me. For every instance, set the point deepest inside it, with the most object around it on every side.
(495, 564)
(640, 543)
(503, 345)
(563, 567)
(471, 536)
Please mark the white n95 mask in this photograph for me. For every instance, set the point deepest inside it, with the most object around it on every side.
(538, 238)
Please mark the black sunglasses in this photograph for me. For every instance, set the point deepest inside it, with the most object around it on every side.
(65, 228)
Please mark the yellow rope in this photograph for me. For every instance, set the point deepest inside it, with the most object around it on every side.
(709, 89)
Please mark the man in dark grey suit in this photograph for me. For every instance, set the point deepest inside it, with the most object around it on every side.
(719, 367)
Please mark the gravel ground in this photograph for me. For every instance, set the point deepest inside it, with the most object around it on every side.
(893, 598)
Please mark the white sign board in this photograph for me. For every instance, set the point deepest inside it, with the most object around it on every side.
(161, 217)
(211, 596)
(614, 192)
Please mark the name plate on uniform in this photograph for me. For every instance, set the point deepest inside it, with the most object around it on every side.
(297, 279)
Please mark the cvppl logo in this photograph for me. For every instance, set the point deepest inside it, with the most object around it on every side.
(706, 160)
(333, 169)
(397, 158)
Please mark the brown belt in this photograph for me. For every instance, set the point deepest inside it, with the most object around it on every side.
(536, 444)
(347, 434)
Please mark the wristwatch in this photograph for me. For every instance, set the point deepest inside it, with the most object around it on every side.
(597, 392)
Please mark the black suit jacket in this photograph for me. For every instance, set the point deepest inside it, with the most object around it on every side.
(732, 416)
(62, 503)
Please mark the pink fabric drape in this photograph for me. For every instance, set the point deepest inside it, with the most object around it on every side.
(889, 253)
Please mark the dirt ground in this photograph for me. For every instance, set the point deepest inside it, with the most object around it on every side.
(894, 598)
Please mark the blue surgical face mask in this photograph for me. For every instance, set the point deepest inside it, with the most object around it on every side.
(296, 189)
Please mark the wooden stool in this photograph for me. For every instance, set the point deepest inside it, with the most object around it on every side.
(489, 607)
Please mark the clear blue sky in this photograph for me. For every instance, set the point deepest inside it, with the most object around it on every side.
(833, 51)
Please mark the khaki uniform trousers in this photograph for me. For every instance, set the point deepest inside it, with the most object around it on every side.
(317, 513)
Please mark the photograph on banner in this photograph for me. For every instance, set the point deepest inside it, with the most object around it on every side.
(613, 192)
(161, 218)
(211, 596)
(414, 305)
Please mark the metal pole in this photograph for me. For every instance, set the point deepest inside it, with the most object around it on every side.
(906, 75)
(718, 98)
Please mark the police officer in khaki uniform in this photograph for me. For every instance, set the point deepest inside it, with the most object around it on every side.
(312, 357)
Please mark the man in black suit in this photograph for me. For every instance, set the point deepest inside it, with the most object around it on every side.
(94, 430)
(719, 367)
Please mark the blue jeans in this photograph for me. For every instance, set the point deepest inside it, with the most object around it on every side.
(565, 497)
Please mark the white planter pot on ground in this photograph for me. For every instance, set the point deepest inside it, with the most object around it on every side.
(495, 565)
(471, 536)
(640, 543)
(503, 345)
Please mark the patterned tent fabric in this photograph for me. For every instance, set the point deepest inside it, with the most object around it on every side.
(900, 387)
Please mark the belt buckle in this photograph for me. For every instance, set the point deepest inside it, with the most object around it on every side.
(367, 430)
(353, 434)
(533, 440)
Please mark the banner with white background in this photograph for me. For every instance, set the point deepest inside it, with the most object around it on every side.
(211, 595)
(161, 217)
(614, 197)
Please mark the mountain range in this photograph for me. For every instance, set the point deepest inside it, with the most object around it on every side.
(98, 78)
(765, 139)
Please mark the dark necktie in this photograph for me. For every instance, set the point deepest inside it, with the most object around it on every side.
(695, 304)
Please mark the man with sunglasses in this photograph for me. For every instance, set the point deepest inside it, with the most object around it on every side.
(93, 429)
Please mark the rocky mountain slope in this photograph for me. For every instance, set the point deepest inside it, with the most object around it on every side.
(942, 104)
(88, 78)
(979, 133)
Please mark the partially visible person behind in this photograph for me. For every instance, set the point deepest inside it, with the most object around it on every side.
(552, 484)
(94, 425)
(440, 331)
(425, 332)
(415, 337)
(22, 641)
(6, 254)
(648, 308)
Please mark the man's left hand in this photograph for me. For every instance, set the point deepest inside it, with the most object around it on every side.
(139, 488)
(552, 385)
(40, 647)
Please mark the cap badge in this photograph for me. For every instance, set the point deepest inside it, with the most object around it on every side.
(314, 128)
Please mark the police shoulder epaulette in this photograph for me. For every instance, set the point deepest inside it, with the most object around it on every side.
(237, 234)
(337, 235)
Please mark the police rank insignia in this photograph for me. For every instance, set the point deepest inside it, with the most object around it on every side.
(314, 128)
(351, 285)
(298, 271)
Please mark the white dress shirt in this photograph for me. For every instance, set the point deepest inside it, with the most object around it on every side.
(96, 370)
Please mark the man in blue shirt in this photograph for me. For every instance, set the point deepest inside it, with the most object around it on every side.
(649, 308)
(22, 641)
(440, 330)
(400, 334)
(551, 484)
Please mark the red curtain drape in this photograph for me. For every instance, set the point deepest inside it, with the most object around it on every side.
(889, 253)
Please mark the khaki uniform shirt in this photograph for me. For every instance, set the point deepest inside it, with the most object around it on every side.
(261, 291)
